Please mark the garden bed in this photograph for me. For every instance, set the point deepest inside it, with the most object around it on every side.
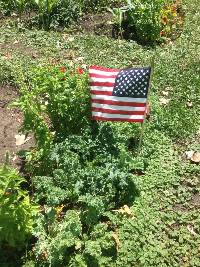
(87, 198)
(11, 120)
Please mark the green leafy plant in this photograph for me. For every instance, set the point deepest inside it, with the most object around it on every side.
(65, 13)
(149, 21)
(16, 210)
(145, 17)
(63, 241)
(56, 13)
(45, 8)
(55, 103)
(83, 169)
(6, 6)
(19, 6)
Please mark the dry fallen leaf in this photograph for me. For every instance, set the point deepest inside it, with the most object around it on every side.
(7, 56)
(148, 111)
(189, 104)
(84, 66)
(165, 93)
(191, 229)
(44, 254)
(117, 241)
(15, 158)
(168, 88)
(185, 258)
(34, 55)
(70, 39)
(21, 139)
(124, 210)
(195, 157)
(164, 101)
(78, 245)
(79, 59)
(189, 154)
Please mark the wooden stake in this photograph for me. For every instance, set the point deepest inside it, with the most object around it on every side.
(143, 123)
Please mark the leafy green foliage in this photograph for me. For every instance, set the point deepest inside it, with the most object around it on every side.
(84, 169)
(19, 6)
(55, 104)
(145, 17)
(149, 21)
(53, 14)
(162, 226)
(16, 210)
(63, 241)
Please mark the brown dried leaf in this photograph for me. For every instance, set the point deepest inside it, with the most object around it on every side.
(148, 111)
(189, 104)
(168, 88)
(195, 157)
(191, 229)
(15, 158)
(165, 93)
(45, 254)
(124, 210)
(21, 139)
(70, 39)
(117, 241)
(78, 245)
(79, 59)
(7, 56)
(189, 154)
(34, 55)
(164, 101)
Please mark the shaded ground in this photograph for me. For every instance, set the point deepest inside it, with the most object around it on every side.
(10, 122)
(99, 24)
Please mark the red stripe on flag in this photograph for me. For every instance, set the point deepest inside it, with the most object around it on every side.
(95, 92)
(103, 69)
(94, 75)
(103, 84)
(118, 103)
(121, 112)
(116, 119)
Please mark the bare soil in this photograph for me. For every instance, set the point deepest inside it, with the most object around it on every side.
(10, 123)
(99, 24)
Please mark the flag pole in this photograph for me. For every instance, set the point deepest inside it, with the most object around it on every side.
(143, 123)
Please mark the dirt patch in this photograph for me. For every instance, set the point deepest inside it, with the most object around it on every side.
(10, 49)
(99, 24)
(10, 123)
(195, 201)
(180, 207)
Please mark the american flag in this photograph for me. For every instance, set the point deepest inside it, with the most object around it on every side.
(119, 94)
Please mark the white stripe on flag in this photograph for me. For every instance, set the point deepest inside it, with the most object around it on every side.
(112, 107)
(103, 72)
(107, 115)
(110, 80)
(102, 88)
(121, 99)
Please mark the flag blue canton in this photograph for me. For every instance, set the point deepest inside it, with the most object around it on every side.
(133, 82)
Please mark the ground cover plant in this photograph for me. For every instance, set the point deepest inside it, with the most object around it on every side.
(100, 204)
